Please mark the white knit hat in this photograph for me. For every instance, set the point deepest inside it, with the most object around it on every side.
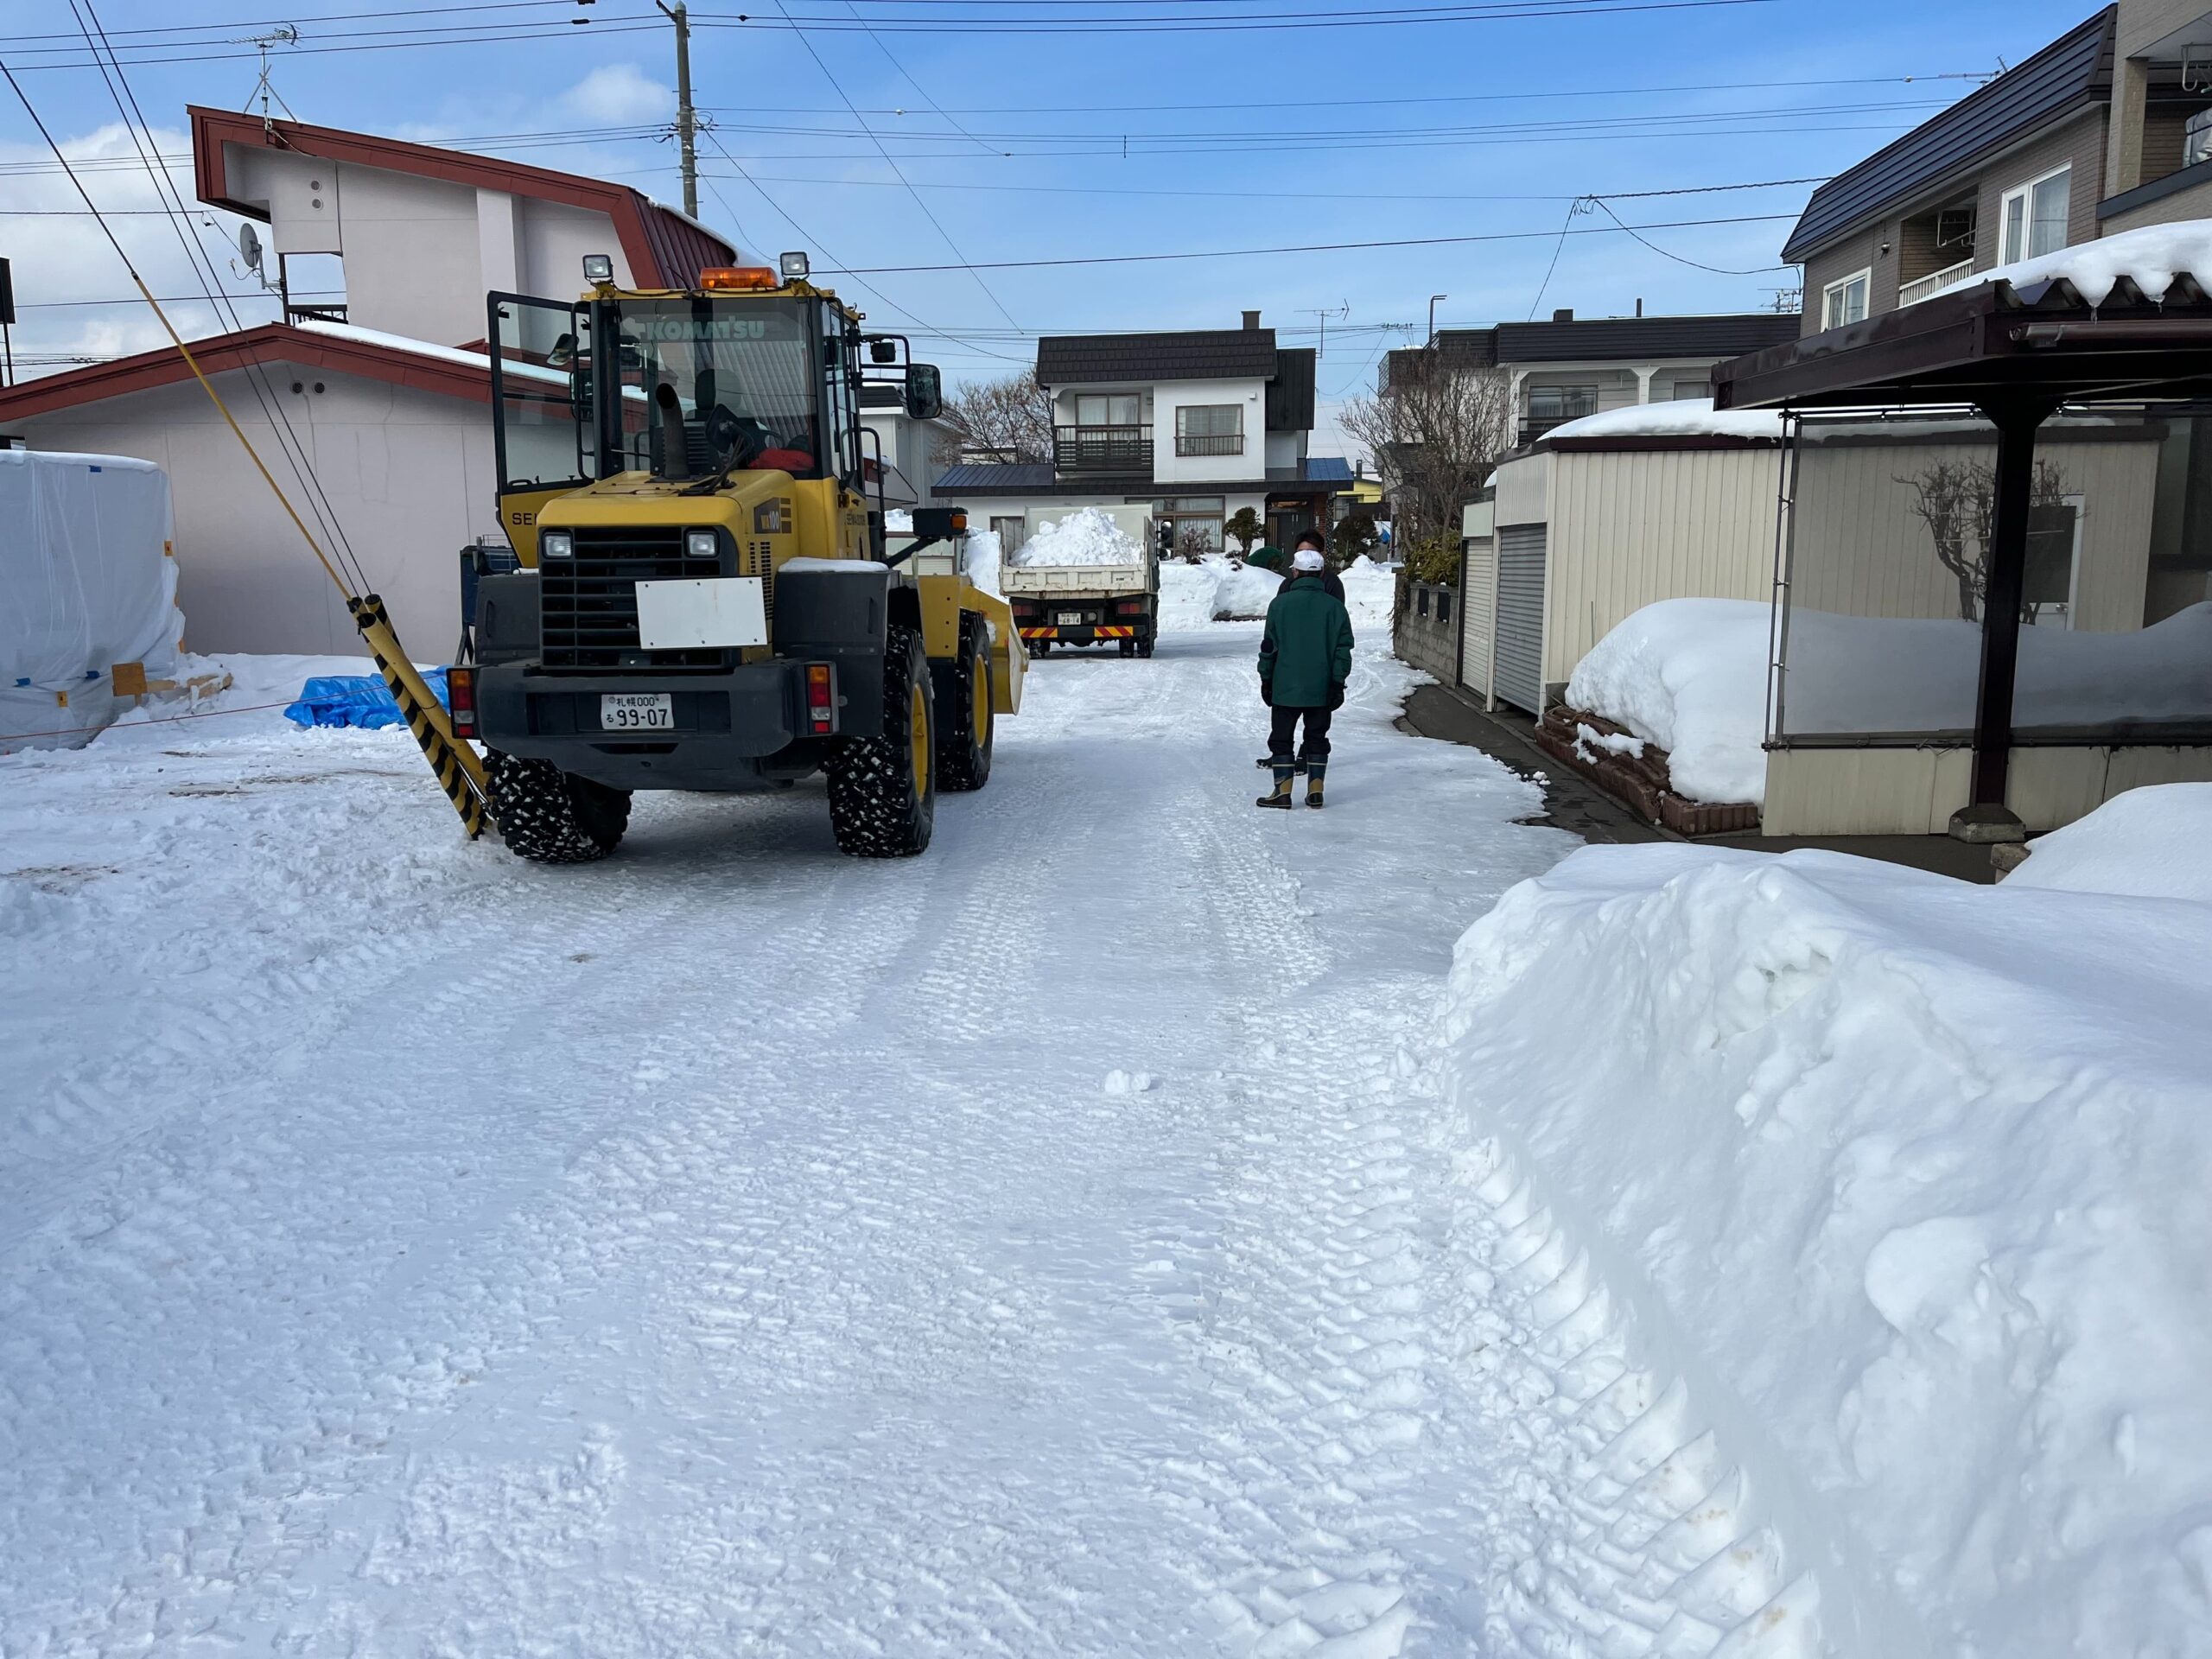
(1306, 558)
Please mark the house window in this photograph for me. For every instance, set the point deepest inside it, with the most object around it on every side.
(1193, 522)
(1682, 388)
(1210, 429)
(1011, 532)
(2196, 139)
(1845, 301)
(1551, 406)
(1107, 409)
(2034, 216)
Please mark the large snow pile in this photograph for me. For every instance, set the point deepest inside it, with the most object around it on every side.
(1901, 1185)
(2147, 843)
(1690, 675)
(1087, 536)
(1214, 590)
(89, 587)
(1688, 417)
(1369, 591)
(982, 560)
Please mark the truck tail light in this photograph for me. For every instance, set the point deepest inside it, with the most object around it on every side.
(1129, 606)
(460, 700)
(821, 699)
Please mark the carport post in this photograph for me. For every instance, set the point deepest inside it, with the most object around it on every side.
(1987, 818)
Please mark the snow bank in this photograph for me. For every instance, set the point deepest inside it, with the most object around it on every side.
(984, 559)
(1690, 417)
(1192, 596)
(1087, 536)
(1904, 1181)
(2150, 843)
(1690, 675)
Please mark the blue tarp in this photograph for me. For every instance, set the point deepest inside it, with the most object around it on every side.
(361, 700)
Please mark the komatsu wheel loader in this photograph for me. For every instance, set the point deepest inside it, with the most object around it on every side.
(706, 596)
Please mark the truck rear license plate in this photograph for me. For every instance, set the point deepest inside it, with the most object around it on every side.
(636, 711)
(1070, 618)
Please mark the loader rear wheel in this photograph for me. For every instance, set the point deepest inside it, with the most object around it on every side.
(883, 790)
(965, 726)
(553, 817)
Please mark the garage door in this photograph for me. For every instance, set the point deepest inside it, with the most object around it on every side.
(1521, 616)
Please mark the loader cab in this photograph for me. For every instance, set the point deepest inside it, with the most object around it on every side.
(748, 374)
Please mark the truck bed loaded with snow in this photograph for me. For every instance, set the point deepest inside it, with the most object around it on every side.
(1089, 577)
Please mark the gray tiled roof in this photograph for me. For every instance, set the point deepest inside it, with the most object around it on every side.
(1596, 339)
(2072, 73)
(1191, 354)
(1290, 394)
(1026, 477)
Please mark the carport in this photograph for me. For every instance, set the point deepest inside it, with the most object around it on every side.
(2106, 327)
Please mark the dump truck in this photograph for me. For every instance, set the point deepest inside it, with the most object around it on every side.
(706, 596)
(1079, 604)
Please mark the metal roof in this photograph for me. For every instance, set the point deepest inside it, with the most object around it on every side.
(1607, 340)
(2074, 72)
(1290, 394)
(1992, 344)
(1191, 354)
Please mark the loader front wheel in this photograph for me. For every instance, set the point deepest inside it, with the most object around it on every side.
(883, 790)
(552, 816)
(965, 726)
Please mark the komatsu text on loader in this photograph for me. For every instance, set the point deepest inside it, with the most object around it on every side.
(707, 597)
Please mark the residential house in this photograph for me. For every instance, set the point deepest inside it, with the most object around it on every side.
(1572, 367)
(912, 452)
(1196, 424)
(384, 388)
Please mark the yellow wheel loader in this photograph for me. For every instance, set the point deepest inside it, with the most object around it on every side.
(707, 597)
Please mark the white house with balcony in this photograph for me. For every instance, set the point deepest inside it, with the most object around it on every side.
(1197, 425)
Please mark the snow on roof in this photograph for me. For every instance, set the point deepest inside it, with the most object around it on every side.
(2151, 258)
(1690, 417)
(401, 343)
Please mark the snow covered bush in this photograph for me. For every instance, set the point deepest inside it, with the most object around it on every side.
(1902, 1182)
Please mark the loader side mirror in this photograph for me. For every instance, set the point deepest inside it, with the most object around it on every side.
(924, 391)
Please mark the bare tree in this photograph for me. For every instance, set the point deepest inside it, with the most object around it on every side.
(1003, 420)
(1436, 434)
(1957, 501)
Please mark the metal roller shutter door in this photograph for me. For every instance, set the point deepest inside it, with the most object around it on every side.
(1519, 672)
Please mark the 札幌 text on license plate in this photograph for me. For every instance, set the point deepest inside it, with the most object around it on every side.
(636, 711)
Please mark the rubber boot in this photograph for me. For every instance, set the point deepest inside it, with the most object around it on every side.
(1280, 796)
(1315, 772)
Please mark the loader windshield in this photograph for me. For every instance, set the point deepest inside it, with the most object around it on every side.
(714, 382)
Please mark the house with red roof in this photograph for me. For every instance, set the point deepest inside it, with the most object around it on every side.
(387, 395)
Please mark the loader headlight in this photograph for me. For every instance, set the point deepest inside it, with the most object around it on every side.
(793, 266)
(701, 545)
(598, 267)
(556, 545)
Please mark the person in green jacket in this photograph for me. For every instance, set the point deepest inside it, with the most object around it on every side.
(1305, 660)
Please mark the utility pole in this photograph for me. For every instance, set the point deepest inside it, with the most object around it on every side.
(687, 118)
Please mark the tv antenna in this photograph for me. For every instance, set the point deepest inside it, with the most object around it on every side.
(264, 88)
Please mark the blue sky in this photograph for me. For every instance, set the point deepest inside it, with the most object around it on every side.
(1236, 139)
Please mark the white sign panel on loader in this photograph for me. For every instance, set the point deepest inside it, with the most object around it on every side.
(712, 612)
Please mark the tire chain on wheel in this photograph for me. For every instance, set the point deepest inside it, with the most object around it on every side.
(961, 763)
(871, 797)
(534, 805)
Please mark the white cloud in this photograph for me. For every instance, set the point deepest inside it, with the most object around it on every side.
(619, 95)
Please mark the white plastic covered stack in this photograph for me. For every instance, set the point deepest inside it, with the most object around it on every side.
(87, 585)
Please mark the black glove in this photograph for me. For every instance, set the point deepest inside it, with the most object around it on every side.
(1336, 695)
(1267, 691)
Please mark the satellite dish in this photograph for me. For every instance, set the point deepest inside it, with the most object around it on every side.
(249, 247)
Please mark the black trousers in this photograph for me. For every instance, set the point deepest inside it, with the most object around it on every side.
(1284, 728)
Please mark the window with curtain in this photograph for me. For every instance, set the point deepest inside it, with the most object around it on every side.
(1107, 409)
(1210, 429)
(1845, 301)
(2034, 216)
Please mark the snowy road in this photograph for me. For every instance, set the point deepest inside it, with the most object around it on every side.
(733, 1248)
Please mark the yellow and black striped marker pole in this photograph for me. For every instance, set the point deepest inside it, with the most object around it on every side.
(460, 771)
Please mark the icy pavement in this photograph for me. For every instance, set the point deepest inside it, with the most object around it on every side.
(1050, 1245)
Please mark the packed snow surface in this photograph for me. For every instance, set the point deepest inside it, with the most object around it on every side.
(733, 1248)
(1687, 418)
(2148, 843)
(1087, 536)
(1691, 675)
(1899, 1185)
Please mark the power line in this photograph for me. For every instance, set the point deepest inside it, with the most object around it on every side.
(1682, 259)
(1308, 247)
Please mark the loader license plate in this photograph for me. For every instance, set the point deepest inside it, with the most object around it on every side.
(636, 711)
(1070, 618)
